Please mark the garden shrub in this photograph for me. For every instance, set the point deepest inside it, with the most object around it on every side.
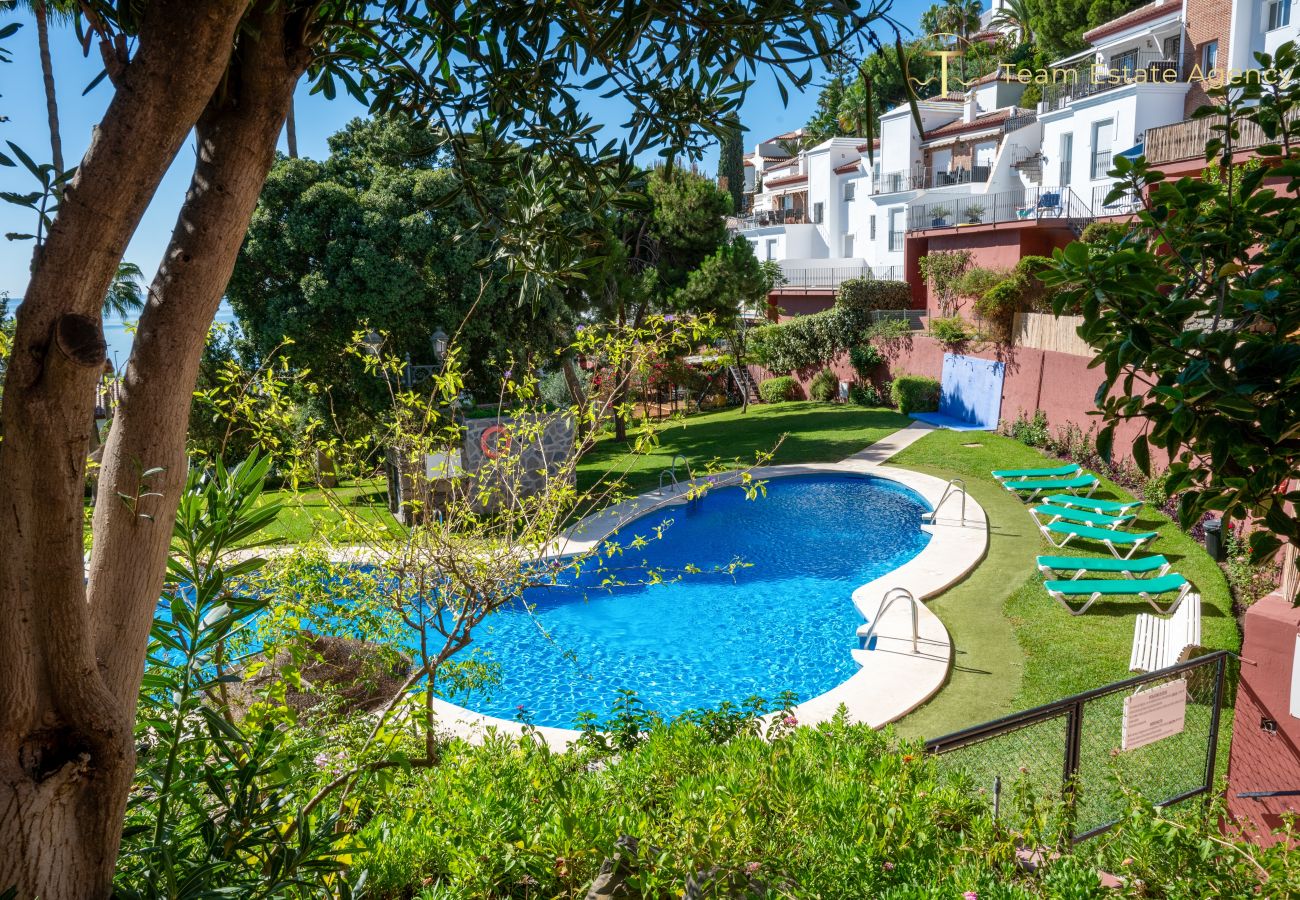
(864, 393)
(950, 331)
(942, 270)
(555, 389)
(975, 282)
(998, 306)
(778, 390)
(1104, 233)
(865, 358)
(806, 341)
(868, 295)
(1031, 431)
(915, 393)
(825, 386)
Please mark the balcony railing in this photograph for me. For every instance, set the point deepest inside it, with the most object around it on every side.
(768, 218)
(1031, 204)
(903, 180)
(1127, 203)
(1121, 70)
(826, 277)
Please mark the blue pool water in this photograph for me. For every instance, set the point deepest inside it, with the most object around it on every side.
(786, 622)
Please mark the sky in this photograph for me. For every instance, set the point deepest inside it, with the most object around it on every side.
(22, 100)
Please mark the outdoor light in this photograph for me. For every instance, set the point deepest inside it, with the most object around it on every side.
(440, 341)
(373, 342)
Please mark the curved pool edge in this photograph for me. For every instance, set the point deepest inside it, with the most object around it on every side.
(891, 681)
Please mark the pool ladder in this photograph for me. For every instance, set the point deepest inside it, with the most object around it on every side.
(891, 596)
(954, 486)
(671, 472)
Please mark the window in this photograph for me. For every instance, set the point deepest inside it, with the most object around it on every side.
(817, 213)
(1067, 160)
(771, 248)
(895, 230)
(871, 228)
(1101, 138)
(1172, 48)
(848, 245)
(1279, 14)
(850, 189)
(1210, 56)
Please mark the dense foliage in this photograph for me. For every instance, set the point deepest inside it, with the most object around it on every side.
(1195, 315)
(731, 164)
(779, 389)
(943, 271)
(871, 294)
(814, 340)
(825, 386)
(915, 393)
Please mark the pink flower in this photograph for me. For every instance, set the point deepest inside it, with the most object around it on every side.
(791, 721)
(971, 895)
(751, 868)
(888, 866)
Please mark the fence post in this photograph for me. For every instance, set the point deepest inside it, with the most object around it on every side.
(1073, 751)
(1220, 673)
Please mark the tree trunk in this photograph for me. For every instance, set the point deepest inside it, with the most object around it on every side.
(66, 702)
(47, 72)
(291, 132)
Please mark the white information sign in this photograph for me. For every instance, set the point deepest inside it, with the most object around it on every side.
(1154, 715)
(1295, 679)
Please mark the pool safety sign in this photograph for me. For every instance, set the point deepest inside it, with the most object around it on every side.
(1154, 715)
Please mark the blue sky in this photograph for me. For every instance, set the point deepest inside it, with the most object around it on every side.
(22, 99)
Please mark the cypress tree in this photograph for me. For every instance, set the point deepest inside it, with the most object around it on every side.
(731, 164)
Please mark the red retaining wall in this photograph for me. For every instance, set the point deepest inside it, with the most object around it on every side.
(1265, 757)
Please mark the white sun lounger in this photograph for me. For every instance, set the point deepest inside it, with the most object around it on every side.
(1158, 642)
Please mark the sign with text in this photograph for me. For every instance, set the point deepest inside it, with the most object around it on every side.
(1154, 715)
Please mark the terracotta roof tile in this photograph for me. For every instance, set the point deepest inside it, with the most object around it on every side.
(787, 179)
(986, 121)
(847, 167)
(1135, 17)
(875, 144)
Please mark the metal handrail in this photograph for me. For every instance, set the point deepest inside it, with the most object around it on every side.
(671, 471)
(950, 489)
(887, 601)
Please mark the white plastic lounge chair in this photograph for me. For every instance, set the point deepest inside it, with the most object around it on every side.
(1056, 472)
(1157, 642)
(1113, 539)
(1089, 565)
(1096, 588)
(1083, 517)
(1037, 485)
(1096, 504)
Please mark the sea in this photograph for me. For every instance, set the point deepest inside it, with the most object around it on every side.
(119, 333)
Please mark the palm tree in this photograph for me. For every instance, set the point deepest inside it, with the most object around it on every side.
(126, 294)
(59, 12)
(962, 18)
(1015, 14)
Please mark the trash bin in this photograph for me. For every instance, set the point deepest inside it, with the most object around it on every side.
(1214, 538)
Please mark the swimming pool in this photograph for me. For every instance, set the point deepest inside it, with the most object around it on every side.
(784, 622)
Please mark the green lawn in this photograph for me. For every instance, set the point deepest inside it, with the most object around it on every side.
(813, 432)
(1016, 647)
(308, 513)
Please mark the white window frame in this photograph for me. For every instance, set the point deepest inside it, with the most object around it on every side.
(817, 210)
(1210, 56)
(1099, 128)
(871, 227)
(848, 246)
(850, 191)
(1278, 15)
(1066, 162)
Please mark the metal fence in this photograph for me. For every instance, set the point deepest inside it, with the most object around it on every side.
(1021, 205)
(1068, 753)
(833, 276)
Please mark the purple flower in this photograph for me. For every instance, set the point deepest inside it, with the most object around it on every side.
(971, 895)
(888, 866)
(672, 318)
(322, 760)
(791, 721)
(751, 868)
(507, 373)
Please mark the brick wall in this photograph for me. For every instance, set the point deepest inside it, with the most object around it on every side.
(1207, 20)
(998, 246)
(1262, 759)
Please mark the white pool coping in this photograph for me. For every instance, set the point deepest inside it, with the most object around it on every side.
(892, 680)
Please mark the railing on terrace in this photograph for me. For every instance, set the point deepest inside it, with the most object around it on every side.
(903, 180)
(833, 276)
(1187, 140)
(1120, 71)
(962, 175)
(1029, 204)
(1126, 204)
(766, 218)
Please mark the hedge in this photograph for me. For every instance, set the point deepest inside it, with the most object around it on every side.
(778, 390)
(915, 393)
(816, 339)
(825, 386)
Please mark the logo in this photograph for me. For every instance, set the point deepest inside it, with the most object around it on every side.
(949, 47)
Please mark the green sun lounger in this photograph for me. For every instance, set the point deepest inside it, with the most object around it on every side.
(1083, 517)
(1089, 565)
(1057, 472)
(1112, 538)
(1037, 485)
(1096, 504)
(1094, 589)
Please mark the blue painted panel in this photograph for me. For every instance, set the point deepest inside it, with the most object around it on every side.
(971, 392)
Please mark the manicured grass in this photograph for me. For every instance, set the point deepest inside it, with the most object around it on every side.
(813, 432)
(1055, 654)
(308, 513)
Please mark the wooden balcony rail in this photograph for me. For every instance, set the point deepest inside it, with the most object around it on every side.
(1187, 140)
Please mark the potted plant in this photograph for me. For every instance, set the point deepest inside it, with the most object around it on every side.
(974, 213)
(939, 216)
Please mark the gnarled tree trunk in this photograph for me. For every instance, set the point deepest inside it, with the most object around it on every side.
(71, 652)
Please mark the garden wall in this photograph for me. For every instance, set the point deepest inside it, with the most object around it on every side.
(1265, 752)
(1060, 384)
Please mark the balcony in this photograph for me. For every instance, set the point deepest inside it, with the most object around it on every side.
(768, 218)
(1126, 204)
(1187, 140)
(1122, 70)
(1028, 205)
(830, 277)
(904, 180)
